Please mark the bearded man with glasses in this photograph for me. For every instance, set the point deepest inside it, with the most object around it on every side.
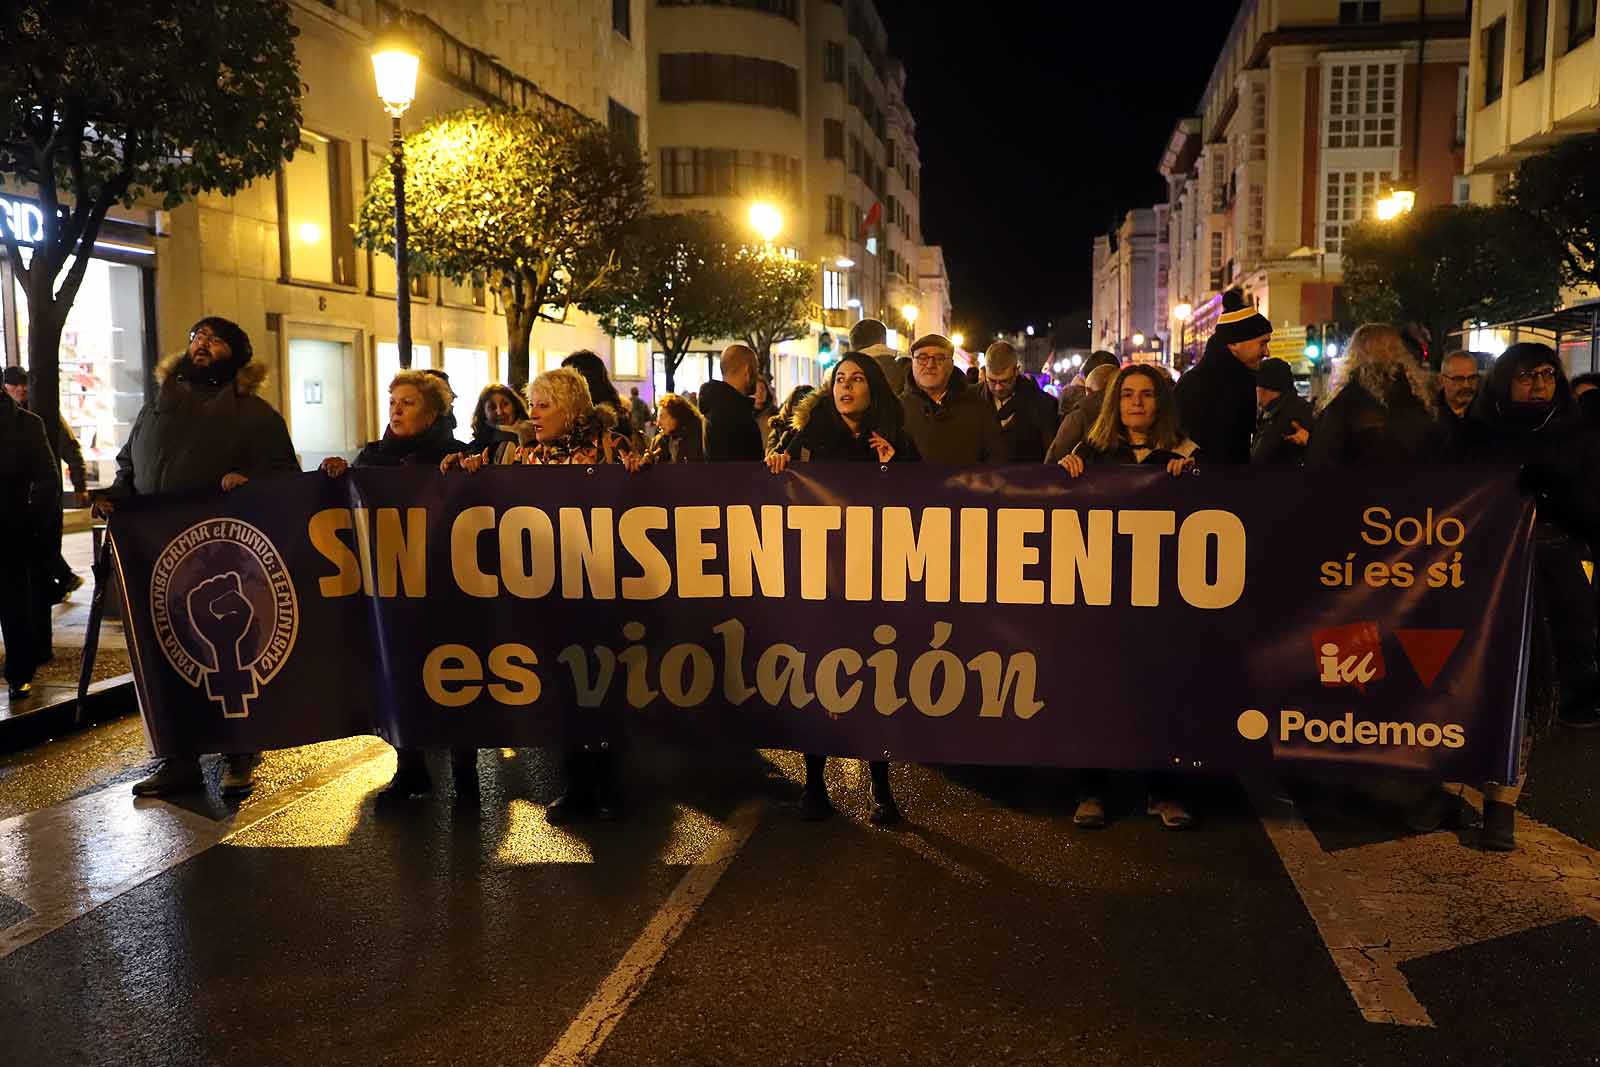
(951, 422)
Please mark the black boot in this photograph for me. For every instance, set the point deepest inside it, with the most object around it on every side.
(885, 812)
(411, 776)
(577, 800)
(814, 803)
(1499, 833)
(464, 772)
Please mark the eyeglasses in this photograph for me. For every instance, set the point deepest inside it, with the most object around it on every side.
(1462, 379)
(205, 337)
(932, 359)
(1543, 374)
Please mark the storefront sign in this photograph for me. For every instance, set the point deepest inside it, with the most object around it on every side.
(1265, 619)
(24, 219)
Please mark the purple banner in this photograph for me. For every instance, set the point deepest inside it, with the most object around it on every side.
(1221, 621)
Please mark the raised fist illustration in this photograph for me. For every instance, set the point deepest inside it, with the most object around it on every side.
(222, 616)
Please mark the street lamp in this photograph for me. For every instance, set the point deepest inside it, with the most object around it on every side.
(909, 312)
(1183, 313)
(958, 339)
(1397, 202)
(844, 263)
(394, 67)
(1138, 340)
(766, 220)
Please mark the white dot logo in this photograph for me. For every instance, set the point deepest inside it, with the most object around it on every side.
(1252, 725)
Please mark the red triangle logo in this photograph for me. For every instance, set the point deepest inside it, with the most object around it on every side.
(1428, 651)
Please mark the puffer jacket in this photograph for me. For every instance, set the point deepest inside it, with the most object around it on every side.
(192, 434)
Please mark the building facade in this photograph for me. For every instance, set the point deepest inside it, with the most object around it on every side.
(279, 258)
(1314, 109)
(1130, 288)
(797, 103)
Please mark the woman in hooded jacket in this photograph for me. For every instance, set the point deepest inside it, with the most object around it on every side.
(856, 418)
(1526, 414)
(782, 426)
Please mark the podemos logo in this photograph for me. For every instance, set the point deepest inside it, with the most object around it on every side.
(224, 610)
(1253, 725)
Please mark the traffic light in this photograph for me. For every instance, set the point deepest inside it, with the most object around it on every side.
(1313, 351)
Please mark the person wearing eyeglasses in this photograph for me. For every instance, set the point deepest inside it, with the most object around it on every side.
(1382, 408)
(951, 421)
(206, 428)
(1458, 385)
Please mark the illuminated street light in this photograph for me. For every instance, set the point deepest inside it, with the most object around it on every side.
(766, 220)
(1030, 331)
(909, 312)
(394, 68)
(844, 263)
(1398, 202)
(1138, 340)
(1077, 360)
(958, 339)
(1182, 312)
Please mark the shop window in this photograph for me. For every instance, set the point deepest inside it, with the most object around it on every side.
(468, 369)
(1535, 21)
(1494, 61)
(625, 358)
(1580, 22)
(102, 360)
(315, 212)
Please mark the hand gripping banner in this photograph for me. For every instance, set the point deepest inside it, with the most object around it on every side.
(1222, 621)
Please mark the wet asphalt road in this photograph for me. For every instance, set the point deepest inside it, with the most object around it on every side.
(987, 931)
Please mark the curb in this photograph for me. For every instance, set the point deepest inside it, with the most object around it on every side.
(107, 699)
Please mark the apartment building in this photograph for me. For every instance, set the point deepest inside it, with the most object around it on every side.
(1314, 109)
(799, 103)
(1131, 287)
(279, 257)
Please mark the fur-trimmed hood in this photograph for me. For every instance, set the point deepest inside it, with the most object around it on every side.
(807, 405)
(247, 381)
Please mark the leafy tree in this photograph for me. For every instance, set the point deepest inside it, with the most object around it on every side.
(1451, 264)
(530, 199)
(105, 102)
(1561, 188)
(776, 306)
(677, 278)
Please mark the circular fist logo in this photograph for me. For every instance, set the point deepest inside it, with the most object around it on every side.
(225, 611)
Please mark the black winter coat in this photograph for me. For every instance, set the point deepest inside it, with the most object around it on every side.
(1217, 405)
(30, 479)
(820, 436)
(731, 431)
(1275, 423)
(192, 434)
(1028, 421)
(1560, 455)
(426, 449)
(960, 431)
(1355, 430)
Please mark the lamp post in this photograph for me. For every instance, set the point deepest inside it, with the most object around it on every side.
(394, 67)
(909, 312)
(766, 220)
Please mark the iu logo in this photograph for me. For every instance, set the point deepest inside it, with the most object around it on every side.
(1349, 655)
(224, 610)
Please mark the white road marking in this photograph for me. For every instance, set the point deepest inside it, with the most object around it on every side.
(65, 861)
(587, 1032)
(1380, 905)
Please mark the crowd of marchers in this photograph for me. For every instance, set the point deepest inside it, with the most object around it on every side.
(207, 426)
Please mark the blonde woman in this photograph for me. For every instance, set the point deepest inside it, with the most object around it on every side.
(1382, 406)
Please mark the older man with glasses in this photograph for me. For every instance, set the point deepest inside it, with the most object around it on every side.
(951, 421)
(1458, 386)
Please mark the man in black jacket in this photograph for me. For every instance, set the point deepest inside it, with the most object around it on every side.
(1027, 413)
(30, 494)
(731, 433)
(63, 579)
(1217, 399)
(951, 422)
(1283, 416)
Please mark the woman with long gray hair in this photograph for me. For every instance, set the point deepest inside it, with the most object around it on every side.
(1382, 406)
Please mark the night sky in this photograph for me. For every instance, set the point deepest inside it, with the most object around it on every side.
(1040, 122)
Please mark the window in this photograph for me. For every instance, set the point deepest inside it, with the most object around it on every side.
(1580, 22)
(1256, 235)
(1535, 21)
(1349, 196)
(857, 219)
(858, 158)
(474, 294)
(1219, 184)
(314, 212)
(622, 17)
(1363, 105)
(468, 369)
(728, 172)
(835, 215)
(787, 8)
(1216, 250)
(1353, 12)
(1461, 190)
(387, 366)
(833, 62)
(833, 290)
(1463, 97)
(623, 123)
(688, 77)
(1494, 61)
(832, 139)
